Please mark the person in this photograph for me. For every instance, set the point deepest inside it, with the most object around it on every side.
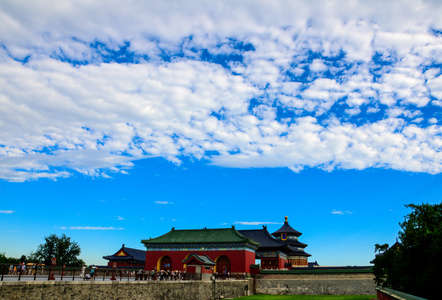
(83, 269)
(34, 269)
(92, 271)
(11, 270)
(23, 268)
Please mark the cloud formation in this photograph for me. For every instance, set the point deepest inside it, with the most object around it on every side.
(340, 212)
(7, 211)
(302, 84)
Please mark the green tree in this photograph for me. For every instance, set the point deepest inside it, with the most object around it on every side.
(379, 248)
(414, 266)
(12, 260)
(62, 248)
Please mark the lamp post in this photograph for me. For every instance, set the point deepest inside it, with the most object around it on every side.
(51, 275)
(114, 266)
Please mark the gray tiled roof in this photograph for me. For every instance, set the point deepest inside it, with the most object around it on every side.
(286, 228)
(203, 259)
(132, 254)
(263, 237)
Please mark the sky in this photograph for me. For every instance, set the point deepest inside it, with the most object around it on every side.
(121, 120)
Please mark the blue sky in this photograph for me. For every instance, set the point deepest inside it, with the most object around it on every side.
(120, 122)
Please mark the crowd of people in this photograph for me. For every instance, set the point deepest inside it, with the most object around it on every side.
(168, 275)
(25, 269)
(88, 273)
(162, 275)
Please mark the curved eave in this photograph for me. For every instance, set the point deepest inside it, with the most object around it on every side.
(247, 244)
(119, 258)
(164, 240)
(287, 229)
(152, 240)
(209, 262)
(297, 244)
(299, 253)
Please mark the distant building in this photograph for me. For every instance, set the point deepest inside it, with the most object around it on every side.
(280, 250)
(395, 246)
(225, 250)
(271, 252)
(289, 236)
(127, 257)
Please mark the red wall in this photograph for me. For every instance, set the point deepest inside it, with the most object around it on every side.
(240, 260)
(281, 262)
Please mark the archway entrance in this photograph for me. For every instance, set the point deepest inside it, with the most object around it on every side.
(165, 263)
(223, 265)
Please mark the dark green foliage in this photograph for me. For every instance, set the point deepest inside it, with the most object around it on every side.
(10, 260)
(415, 265)
(62, 248)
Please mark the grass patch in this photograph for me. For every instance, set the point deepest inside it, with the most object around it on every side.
(307, 297)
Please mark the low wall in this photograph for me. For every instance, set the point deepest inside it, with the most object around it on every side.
(389, 294)
(316, 284)
(274, 284)
(106, 290)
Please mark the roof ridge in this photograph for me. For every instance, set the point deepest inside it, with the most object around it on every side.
(205, 228)
(202, 235)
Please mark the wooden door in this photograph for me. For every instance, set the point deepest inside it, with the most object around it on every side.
(166, 263)
(223, 265)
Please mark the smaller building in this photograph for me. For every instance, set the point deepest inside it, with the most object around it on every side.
(200, 265)
(127, 257)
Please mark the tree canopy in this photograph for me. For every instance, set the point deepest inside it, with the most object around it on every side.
(414, 265)
(62, 248)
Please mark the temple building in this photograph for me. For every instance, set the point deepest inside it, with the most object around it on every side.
(230, 251)
(225, 250)
(199, 264)
(281, 250)
(127, 257)
(289, 236)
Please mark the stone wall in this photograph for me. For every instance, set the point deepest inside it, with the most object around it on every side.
(316, 284)
(275, 284)
(122, 290)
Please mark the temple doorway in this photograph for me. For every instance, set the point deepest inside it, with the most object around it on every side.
(165, 263)
(223, 265)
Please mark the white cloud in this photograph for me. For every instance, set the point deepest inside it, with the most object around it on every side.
(163, 202)
(7, 211)
(291, 100)
(340, 212)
